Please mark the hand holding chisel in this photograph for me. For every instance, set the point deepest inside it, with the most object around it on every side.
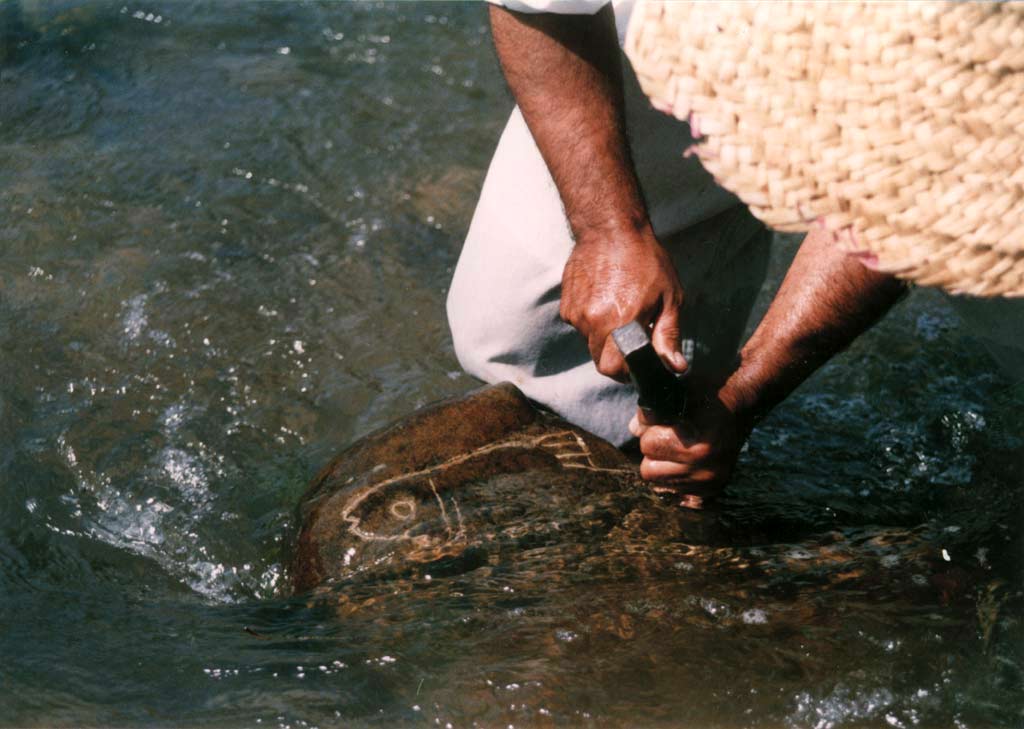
(661, 397)
(661, 393)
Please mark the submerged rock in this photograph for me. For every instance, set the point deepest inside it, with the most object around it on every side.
(488, 484)
(509, 562)
(400, 495)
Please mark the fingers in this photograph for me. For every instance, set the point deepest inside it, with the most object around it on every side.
(605, 286)
(605, 355)
(687, 486)
(692, 458)
(674, 443)
(672, 458)
(637, 425)
(669, 471)
(609, 359)
(666, 338)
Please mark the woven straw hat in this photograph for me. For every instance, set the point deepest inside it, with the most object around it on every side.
(899, 126)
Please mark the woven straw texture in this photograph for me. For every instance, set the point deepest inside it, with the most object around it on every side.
(899, 126)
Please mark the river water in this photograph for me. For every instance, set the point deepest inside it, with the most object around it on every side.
(227, 232)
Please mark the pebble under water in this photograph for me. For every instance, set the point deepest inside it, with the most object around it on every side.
(228, 229)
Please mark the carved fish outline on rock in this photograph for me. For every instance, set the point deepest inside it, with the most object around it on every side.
(396, 496)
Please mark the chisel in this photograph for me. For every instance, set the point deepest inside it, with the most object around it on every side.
(661, 393)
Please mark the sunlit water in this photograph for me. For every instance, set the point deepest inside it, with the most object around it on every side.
(227, 233)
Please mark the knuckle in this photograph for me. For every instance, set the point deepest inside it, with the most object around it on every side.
(653, 444)
(667, 326)
(665, 346)
(648, 471)
(610, 368)
(664, 338)
(568, 310)
(664, 471)
(594, 313)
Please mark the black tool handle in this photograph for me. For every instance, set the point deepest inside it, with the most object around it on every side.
(661, 393)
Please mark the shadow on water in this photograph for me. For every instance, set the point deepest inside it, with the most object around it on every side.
(228, 233)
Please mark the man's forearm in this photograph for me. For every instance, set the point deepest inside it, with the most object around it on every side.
(826, 300)
(565, 73)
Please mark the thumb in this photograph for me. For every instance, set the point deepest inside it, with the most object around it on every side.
(666, 339)
(639, 423)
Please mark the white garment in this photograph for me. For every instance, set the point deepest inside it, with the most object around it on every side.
(565, 7)
(623, 9)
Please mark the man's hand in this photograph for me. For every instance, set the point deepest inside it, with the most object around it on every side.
(565, 73)
(692, 461)
(826, 300)
(611, 281)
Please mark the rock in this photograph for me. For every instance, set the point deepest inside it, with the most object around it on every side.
(400, 495)
(490, 482)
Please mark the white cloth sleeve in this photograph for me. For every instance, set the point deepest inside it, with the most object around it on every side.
(623, 9)
(565, 7)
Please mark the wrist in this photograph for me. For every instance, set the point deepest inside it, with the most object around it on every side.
(742, 393)
(765, 373)
(620, 232)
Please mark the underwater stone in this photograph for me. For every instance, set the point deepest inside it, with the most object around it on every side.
(471, 473)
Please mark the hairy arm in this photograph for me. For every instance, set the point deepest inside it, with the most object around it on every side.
(826, 300)
(565, 74)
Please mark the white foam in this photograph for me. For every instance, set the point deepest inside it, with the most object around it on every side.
(134, 319)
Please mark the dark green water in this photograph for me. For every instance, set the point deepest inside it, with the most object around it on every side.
(227, 231)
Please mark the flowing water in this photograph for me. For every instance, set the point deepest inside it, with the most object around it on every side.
(227, 231)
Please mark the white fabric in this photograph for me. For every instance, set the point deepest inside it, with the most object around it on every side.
(565, 7)
(623, 9)
(504, 298)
